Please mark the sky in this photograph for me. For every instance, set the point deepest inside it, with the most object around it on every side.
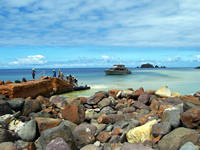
(68, 33)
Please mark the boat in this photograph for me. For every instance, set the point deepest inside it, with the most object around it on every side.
(79, 88)
(117, 69)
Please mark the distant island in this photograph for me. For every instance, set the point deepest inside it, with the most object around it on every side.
(197, 67)
(148, 65)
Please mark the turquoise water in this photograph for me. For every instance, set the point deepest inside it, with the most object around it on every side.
(183, 80)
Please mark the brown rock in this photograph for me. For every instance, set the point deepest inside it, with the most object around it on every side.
(46, 123)
(191, 99)
(111, 118)
(2, 83)
(98, 96)
(145, 118)
(103, 137)
(138, 92)
(74, 112)
(191, 118)
(154, 105)
(7, 146)
(5, 135)
(34, 88)
(31, 106)
(113, 92)
(128, 109)
(151, 92)
(117, 131)
(42, 99)
(83, 100)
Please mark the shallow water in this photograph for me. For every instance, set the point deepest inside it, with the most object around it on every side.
(183, 80)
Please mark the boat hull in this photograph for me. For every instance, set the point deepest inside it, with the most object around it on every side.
(110, 72)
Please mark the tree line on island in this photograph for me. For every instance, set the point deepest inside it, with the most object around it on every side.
(148, 65)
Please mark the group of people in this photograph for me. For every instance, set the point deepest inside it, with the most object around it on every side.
(61, 76)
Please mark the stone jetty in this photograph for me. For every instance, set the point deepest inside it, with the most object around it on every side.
(109, 120)
(45, 86)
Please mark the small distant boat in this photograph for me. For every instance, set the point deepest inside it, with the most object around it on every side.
(117, 69)
(79, 88)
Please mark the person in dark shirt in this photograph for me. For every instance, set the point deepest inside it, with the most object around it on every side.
(33, 73)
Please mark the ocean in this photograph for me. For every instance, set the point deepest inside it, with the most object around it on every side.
(182, 80)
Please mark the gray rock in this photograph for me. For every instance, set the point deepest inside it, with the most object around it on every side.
(16, 104)
(60, 102)
(41, 114)
(31, 106)
(161, 129)
(69, 124)
(28, 132)
(90, 147)
(84, 134)
(108, 110)
(5, 108)
(140, 105)
(60, 131)
(172, 115)
(100, 128)
(135, 146)
(188, 105)
(178, 137)
(104, 102)
(144, 98)
(97, 97)
(58, 144)
(21, 144)
(109, 128)
(8, 146)
(189, 146)
(114, 139)
(173, 101)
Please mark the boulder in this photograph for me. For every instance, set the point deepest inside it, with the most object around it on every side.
(7, 146)
(138, 92)
(34, 88)
(5, 108)
(140, 105)
(50, 134)
(22, 145)
(164, 92)
(103, 137)
(74, 113)
(162, 128)
(16, 104)
(108, 110)
(28, 131)
(97, 97)
(141, 133)
(41, 114)
(31, 106)
(6, 136)
(104, 102)
(111, 118)
(84, 134)
(90, 147)
(188, 105)
(191, 118)
(91, 114)
(58, 101)
(189, 146)
(192, 99)
(144, 98)
(177, 138)
(69, 124)
(113, 92)
(127, 93)
(46, 123)
(135, 146)
(58, 144)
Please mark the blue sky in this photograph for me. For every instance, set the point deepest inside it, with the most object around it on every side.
(67, 33)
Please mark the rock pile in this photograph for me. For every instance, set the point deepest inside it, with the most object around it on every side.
(114, 120)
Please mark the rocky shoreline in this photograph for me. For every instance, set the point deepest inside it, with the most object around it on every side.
(109, 120)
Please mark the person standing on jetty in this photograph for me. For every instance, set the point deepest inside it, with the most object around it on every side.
(33, 73)
(54, 73)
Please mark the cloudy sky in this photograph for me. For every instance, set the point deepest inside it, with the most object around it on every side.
(68, 33)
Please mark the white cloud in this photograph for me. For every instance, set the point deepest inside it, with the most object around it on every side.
(171, 23)
(30, 60)
(105, 57)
